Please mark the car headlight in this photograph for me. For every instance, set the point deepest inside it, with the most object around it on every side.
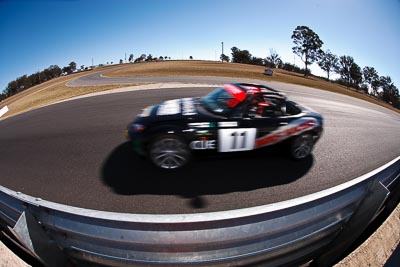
(137, 127)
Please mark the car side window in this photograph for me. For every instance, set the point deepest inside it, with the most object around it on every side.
(264, 108)
(291, 109)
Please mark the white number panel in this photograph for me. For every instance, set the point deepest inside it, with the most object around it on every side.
(231, 140)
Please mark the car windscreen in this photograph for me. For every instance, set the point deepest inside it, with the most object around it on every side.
(220, 101)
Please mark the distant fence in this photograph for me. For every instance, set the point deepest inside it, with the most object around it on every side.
(287, 232)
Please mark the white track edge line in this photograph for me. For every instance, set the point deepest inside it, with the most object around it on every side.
(3, 110)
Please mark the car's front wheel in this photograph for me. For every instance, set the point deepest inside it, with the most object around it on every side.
(169, 152)
(301, 146)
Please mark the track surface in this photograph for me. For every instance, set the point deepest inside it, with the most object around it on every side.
(75, 153)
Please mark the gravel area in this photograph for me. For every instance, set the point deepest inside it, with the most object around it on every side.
(8, 258)
(379, 246)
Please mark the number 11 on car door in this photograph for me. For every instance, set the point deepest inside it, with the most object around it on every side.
(232, 140)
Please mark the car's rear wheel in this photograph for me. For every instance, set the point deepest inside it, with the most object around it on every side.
(169, 152)
(301, 146)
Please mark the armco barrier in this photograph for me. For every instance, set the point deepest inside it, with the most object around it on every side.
(287, 232)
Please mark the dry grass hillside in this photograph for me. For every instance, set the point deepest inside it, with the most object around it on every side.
(50, 92)
(211, 68)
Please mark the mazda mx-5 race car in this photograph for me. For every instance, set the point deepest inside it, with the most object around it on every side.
(233, 118)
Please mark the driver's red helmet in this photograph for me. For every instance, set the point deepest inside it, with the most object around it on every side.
(237, 93)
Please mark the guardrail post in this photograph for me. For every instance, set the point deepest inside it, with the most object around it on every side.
(365, 213)
(32, 236)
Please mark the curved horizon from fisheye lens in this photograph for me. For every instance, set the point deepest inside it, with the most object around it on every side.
(39, 34)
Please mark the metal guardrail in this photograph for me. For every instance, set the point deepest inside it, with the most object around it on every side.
(287, 232)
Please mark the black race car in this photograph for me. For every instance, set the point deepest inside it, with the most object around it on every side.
(233, 118)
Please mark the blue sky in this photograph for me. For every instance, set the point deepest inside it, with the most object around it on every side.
(37, 34)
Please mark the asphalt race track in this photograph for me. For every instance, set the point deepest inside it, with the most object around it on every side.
(75, 153)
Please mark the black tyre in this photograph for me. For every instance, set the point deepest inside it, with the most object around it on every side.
(301, 146)
(169, 152)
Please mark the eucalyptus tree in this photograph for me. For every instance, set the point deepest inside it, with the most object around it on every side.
(328, 62)
(372, 78)
(308, 45)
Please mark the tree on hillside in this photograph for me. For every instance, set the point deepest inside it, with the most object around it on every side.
(308, 45)
(371, 77)
(390, 93)
(12, 88)
(72, 66)
(190, 57)
(328, 62)
(355, 75)
(121, 61)
(66, 70)
(273, 60)
(240, 56)
(34, 78)
(130, 58)
(224, 57)
(141, 58)
(344, 68)
(149, 57)
(257, 61)
(55, 71)
(45, 75)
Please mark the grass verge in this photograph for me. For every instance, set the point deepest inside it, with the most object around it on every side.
(50, 92)
(52, 95)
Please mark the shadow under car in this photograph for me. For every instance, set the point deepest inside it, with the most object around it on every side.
(128, 174)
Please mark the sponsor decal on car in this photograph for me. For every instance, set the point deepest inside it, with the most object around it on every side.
(228, 124)
(295, 128)
(188, 107)
(203, 132)
(169, 107)
(176, 106)
(202, 144)
(202, 124)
